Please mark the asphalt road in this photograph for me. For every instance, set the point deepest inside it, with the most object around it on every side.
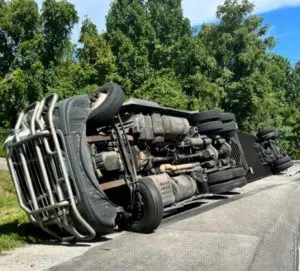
(255, 229)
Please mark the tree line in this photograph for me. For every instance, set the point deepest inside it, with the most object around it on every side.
(154, 53)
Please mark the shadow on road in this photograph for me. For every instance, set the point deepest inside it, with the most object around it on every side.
(31, 234)
(26, 231)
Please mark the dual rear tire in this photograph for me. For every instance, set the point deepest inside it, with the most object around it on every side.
(212, 122)
(282, 164)
(226, 180)
(266, 134)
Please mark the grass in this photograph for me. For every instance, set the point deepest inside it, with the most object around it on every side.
(15, 229)
(2, 139)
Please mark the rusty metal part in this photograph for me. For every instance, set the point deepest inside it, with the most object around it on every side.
(112, 184)
(171, 168)
(99, 138)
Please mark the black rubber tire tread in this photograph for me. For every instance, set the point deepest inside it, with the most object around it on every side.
(282, 160)
(205, 116)
(283, 166)
(227, 186)
(210, 127)
(105, 112)
(238, 172)
(220, 176)
(271, 135)
(265, 131)
(227, 117)
(228, 127)
(153, 208)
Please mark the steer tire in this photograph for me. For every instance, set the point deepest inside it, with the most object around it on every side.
(220, 176)
(238, 172)
(227, 117)
(109, 107)
(205, 116)
(229, 127)
(283, 166)
(210, 127)
(227, 186)
(152, 210)
(264, 132)
(282, 160)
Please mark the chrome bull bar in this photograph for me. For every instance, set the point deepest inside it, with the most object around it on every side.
(39, 169)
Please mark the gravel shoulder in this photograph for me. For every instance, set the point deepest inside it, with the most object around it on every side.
(43, 256)
(3, 165)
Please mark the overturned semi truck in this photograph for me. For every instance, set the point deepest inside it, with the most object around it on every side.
(92, 164)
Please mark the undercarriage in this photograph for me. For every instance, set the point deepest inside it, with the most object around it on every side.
(93, 164)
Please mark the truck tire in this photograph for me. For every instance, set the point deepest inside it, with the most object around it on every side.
(104, 108)
(271, 135)
(264, 132)
(238, 172)
(210, 127)
(205, 116)
(282, 160)
(227, 117)
(152, 209)
(283, 166)
(220, 176)
(227, 186)
(228, 127)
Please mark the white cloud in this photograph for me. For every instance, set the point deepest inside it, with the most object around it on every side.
(199, 11)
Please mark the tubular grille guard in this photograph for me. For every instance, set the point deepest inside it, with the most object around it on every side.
(37, 162)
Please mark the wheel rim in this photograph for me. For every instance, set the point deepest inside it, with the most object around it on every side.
(98, 98)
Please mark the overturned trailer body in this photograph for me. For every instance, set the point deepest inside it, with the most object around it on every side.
(93, 164)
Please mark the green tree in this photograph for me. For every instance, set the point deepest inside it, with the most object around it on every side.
(95, 56)
(32, 46)
(290, 130)
(163, 88)
(13, 96)
(239, 45)
(18, 23)
(149, 49)
(148, 37)
(58, 19)
(281, 74)
(295, 96)
(200, 76)
(172, 34)
(130, 34)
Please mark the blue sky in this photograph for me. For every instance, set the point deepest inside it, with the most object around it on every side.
(283, 17)
(285, 27)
